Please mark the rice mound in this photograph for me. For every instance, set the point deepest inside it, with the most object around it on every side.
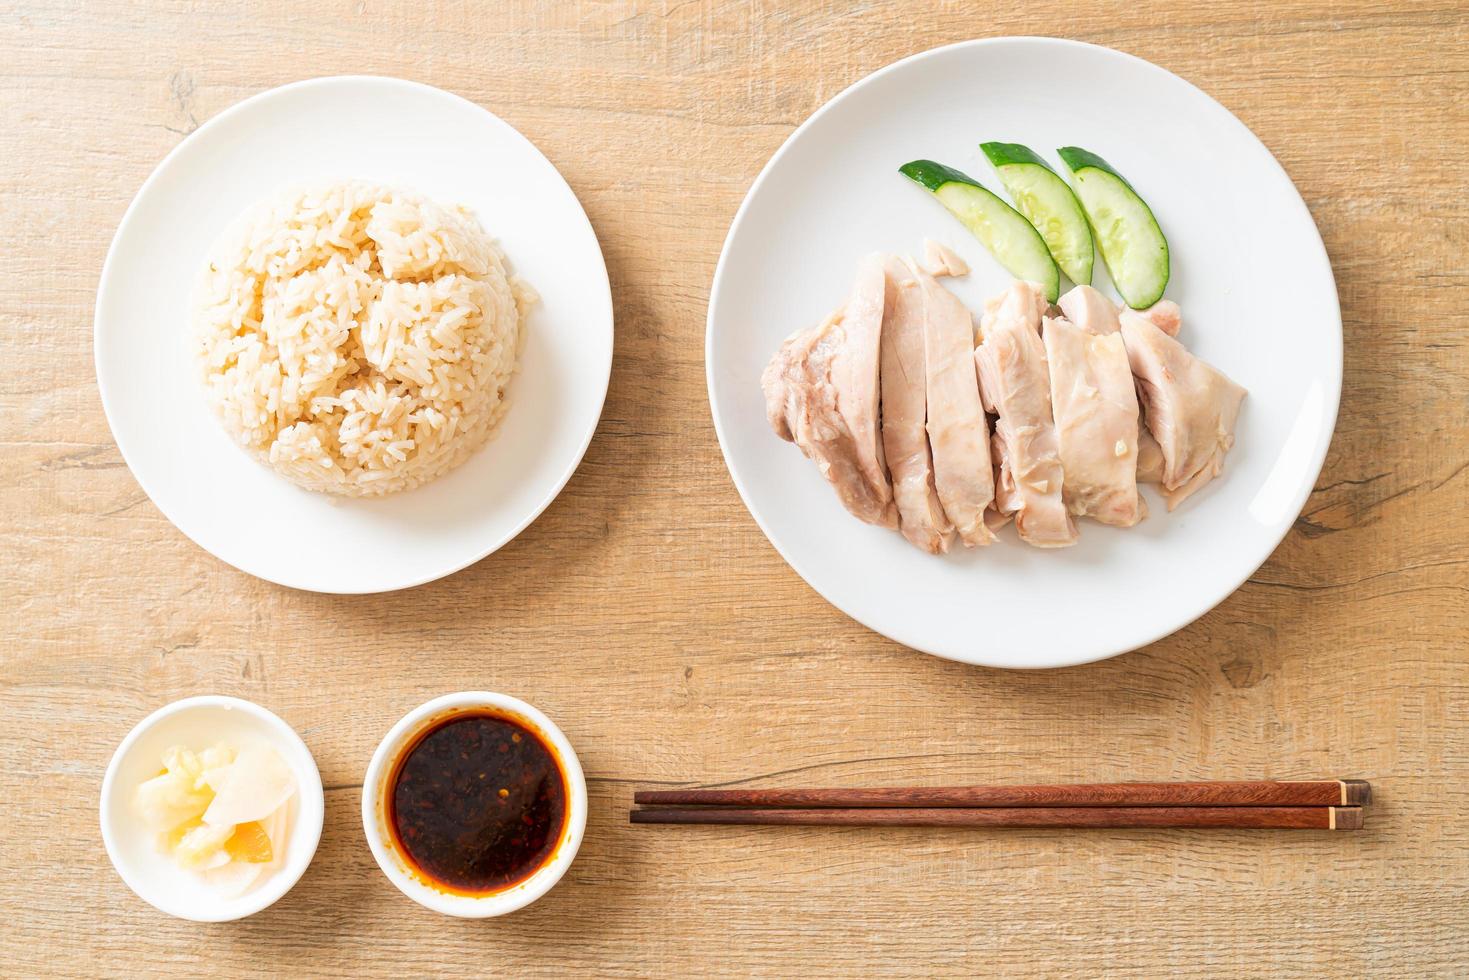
(356, 338)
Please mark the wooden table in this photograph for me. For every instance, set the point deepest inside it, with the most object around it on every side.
(646, 612)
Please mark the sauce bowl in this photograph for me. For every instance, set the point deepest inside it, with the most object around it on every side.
(396, 865)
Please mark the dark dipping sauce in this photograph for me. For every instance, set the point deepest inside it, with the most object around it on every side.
(477, 803)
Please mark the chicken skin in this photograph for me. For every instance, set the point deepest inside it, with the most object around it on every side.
(921, 516)
(958, 431)
(1094, 404)
(1190, 407)
(1016, 384)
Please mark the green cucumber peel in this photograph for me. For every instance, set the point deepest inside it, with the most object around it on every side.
(935, 175)
(1005, 154)
(1078, 159)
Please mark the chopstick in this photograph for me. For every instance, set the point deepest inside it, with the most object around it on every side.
(1252, 793)
(1244, 817)
(1318, 804)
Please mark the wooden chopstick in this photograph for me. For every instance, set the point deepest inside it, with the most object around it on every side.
(1244, 817)
(1253, 793)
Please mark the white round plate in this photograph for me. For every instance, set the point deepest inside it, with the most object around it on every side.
(394, 132)
(1249, 271)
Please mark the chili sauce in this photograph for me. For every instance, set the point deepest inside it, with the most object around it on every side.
(477, 803)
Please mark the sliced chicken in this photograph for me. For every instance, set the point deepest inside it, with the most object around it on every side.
(1007, 495)
(940, 260)
(1190, 408)
(855, 369)
(921, 517)
(802, 405)
(1164, 314)
(1089, 310)
(1094, 405)
(958, 431)
(1149, 453)
(1095, 313)
(1012, 370)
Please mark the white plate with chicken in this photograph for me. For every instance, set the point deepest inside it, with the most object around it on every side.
(954, 442)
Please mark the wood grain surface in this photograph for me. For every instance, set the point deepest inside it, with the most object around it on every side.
(647, 614)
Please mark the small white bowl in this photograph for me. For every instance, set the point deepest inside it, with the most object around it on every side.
(395, 865)
(198, 723)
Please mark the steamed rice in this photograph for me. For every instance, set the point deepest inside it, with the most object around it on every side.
(356, 338)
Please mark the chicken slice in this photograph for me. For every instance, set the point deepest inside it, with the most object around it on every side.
(1149, 453)
(855, 370)
(801, 403)
(1164, 314)
(1012, 371)
(958, 431)
(1027, 303)
(1189, 407)
(1007, 495)
(921, 517)
(1094, 405)
(940, 260)
(1095, 313)
(1089, 310)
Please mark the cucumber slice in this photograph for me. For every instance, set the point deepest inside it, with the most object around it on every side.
(1128, 235)
(1003, 230)
(1047, 202)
